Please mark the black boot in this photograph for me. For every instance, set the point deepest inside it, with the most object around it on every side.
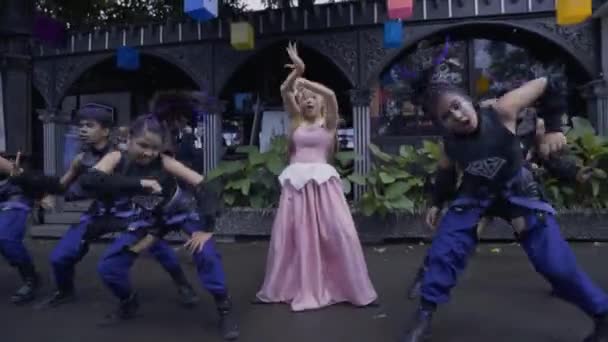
(229, 328)
(419, 329)
(187, 296)
(600, 330)
(59, 297)
(414, 289)
(27, 292)
(127, 310)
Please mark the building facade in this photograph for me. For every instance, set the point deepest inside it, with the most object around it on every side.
(491, 45)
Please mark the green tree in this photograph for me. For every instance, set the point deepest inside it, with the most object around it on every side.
(91, 13)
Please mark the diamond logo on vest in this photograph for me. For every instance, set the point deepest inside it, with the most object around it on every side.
(487, 168)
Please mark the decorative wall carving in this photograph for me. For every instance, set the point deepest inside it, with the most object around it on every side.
(69, 69)
(340, 48)
(581, 36)
(360, 97)
(194, 59)
(41, 80)
(229, 61)
(373, 53)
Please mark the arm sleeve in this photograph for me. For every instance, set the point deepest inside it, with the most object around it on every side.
(553, 104)
(444, 187)
(38, 183)
(102, 183)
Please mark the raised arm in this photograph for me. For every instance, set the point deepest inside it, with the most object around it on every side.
(70, 175)
(181, 171)
(331, 102)
(288, 86)
(511, 103)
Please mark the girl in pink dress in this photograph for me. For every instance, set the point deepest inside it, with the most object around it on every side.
(315, 257)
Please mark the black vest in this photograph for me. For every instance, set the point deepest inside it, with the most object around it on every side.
(154, 170)
(489, 157)
(91, 156)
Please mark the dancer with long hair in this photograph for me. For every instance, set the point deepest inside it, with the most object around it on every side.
(483, 144)
(315, 257)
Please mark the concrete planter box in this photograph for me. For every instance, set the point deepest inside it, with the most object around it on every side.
(588, 224)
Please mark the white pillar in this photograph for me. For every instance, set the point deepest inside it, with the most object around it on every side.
(212, 143)
(360, 99)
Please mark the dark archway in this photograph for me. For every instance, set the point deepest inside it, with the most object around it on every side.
(127, 91)
(517, 34)
(263, 73)
(488, 53)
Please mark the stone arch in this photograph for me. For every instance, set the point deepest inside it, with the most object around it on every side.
(70, 69)
(576, 42)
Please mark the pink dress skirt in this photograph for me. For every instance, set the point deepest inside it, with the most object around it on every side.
(315, 257)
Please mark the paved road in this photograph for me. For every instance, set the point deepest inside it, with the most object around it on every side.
(500, 298)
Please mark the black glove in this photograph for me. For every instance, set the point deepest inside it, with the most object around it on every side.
(445, 184)
(37, 184)
(553, 103)
(103, 184)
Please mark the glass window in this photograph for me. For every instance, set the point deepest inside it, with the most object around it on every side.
(499, 67)
(485, 68)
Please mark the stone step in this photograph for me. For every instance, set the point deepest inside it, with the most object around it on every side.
(66, 217)
(76, 206)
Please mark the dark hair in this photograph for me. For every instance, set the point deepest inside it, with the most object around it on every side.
(152, 124)
(176, 105)
(104, 115)
(428, 91)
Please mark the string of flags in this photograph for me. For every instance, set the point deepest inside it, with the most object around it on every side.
(242, 33)
(570, 12)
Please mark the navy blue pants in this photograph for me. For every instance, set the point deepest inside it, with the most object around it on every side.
(71, 249)
(547, 250)
(115, 265)
(13, 224)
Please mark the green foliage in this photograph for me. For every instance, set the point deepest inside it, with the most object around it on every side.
(590, 150)
(396, 182)
(84, 14)
(252, 181)
(344, 164)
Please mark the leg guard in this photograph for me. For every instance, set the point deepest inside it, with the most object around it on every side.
(115, 265)
(451, 247)
(68, 252)
(552, 257)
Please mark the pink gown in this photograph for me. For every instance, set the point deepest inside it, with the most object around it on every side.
(315, 257)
